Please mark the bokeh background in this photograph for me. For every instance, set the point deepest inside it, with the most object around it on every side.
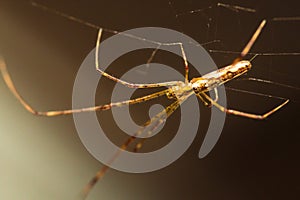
(43, 158)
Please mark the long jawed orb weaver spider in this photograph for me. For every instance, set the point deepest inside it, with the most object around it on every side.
(177, 90)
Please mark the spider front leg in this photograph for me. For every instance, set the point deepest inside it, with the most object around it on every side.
(245, 114)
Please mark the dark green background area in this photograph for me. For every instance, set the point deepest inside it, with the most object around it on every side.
(43, 158)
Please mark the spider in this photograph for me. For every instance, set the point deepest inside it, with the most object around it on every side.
(177, 90)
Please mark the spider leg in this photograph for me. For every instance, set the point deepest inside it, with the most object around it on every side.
(169, 111)
(267, 82)
(186, 64)
(216, 94)
(127, 84)
(245, 114)
(295, 90)
(154, 122)
(207, 102)
(15, 92)
(251, 42)
(159, 44)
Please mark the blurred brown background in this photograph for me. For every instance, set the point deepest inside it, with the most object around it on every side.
(43, 158)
